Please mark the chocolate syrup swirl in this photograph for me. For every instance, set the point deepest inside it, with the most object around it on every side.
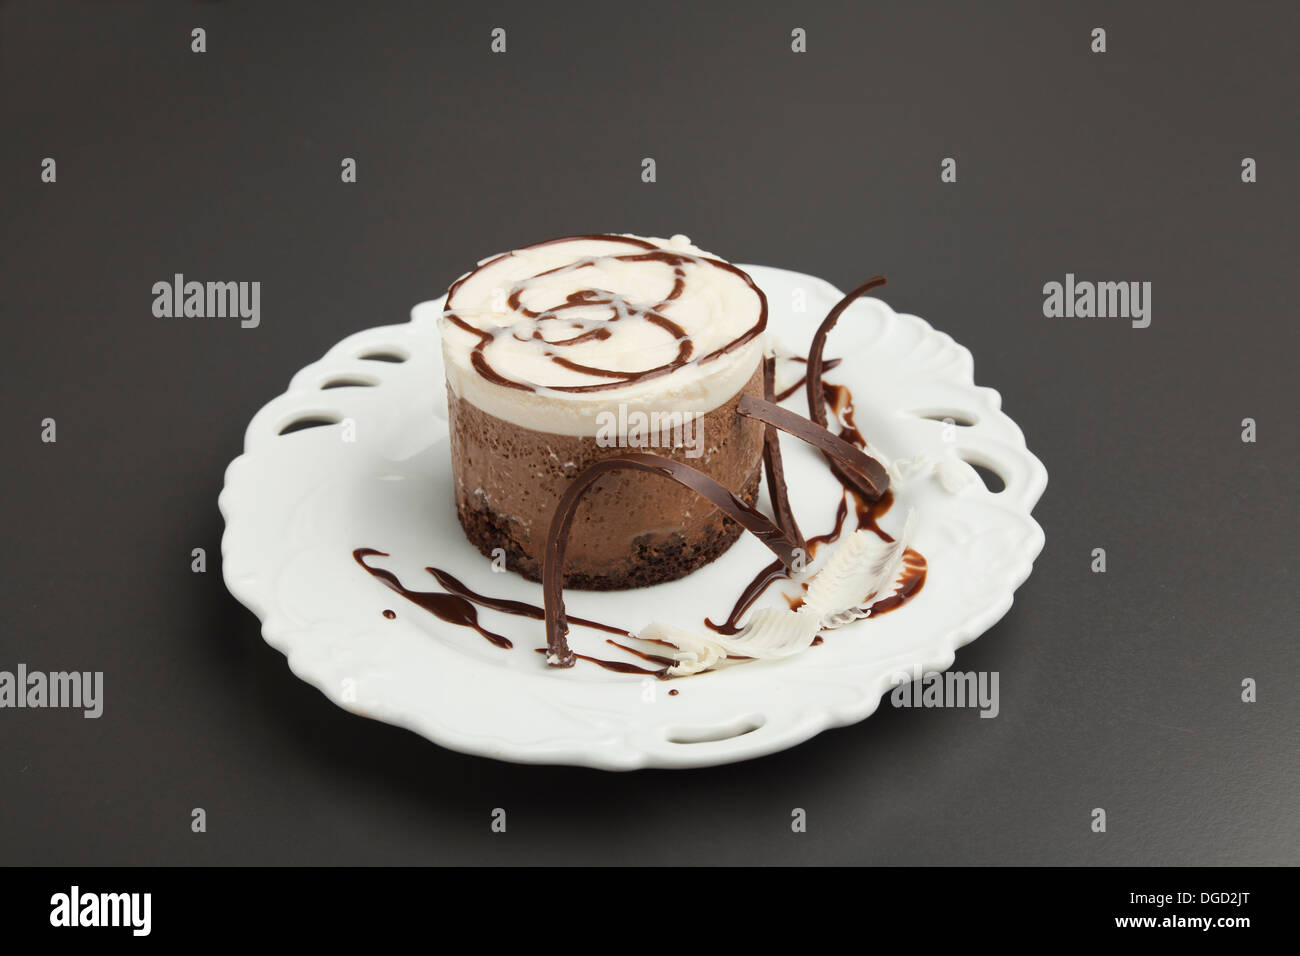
(534, 324)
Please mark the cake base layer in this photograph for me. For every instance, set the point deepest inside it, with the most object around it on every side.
(632, 528)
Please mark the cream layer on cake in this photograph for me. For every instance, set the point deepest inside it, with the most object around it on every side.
(549, 336)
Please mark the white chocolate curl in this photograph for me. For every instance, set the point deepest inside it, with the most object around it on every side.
(860, 570)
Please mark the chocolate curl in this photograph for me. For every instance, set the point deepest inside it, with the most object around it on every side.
(816, 394)
(557, 625)
(863, 473)
(775, 470)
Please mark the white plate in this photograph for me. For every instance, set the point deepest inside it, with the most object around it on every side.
(297, 505)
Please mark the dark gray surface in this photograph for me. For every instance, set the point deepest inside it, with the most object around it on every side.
(1118, 690)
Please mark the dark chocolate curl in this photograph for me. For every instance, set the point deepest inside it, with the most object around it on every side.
(772, 465)
(817, 394)
(557, 625)
(866, 475)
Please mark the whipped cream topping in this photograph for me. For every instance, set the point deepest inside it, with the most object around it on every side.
(549, 336)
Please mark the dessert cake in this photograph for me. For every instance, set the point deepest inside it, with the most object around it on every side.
(564, 353)
(612, 412)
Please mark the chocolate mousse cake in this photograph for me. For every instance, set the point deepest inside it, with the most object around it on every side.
(564, 353)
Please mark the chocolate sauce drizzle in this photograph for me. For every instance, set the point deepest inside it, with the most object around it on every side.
(450, 607)
(620, 667)
(912, 580)
(457, 607)
(599, 328)
(518, 608)
(623, 667)
(790, 390)
(769, 575)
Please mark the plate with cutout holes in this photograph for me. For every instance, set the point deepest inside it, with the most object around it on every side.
(355, 455)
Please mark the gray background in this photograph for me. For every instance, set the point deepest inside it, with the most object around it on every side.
(1118, 690)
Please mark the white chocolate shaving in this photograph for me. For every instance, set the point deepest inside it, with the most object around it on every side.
(861, 568)
(771, 633)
